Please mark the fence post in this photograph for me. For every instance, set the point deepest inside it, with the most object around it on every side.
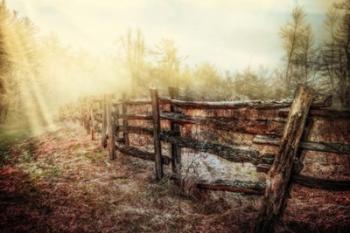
(175, 128)
(92, 122)
(104, 123)
(116, 120)
(156, 134)
(280, 173)
(125, 121)
(81, 114)
(86, 115)
(111, 131)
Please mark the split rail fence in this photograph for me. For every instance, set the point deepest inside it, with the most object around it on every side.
(285, 127)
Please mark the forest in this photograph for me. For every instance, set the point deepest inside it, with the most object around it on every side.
(29, 61)
(69, 119)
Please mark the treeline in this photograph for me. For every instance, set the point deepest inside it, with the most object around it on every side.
(322, 63)
(15, 33)
(22, 89)
(163, 66)
(38, 73)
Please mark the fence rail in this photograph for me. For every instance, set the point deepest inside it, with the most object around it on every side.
(283, 125)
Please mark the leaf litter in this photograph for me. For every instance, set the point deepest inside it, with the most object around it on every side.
(62, 181)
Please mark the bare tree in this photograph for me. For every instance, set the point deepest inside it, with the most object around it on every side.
(134, 52)
(329, 48)
(291, 37)
(306, 57)
(168, 63)
(299, 44)
(335, 58)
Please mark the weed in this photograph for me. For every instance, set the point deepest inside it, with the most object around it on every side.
(53, 172)
(26, 157)
(4, 156)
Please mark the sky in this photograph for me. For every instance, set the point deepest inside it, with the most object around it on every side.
(230, 34)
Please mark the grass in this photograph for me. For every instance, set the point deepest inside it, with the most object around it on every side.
(68, 177)
(11, 132)
(12, 135)
(9, 136)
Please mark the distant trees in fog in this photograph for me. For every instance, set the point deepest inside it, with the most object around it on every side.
(335, 51)
(29, 64)
(318, 62)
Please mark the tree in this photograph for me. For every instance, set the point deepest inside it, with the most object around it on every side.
(19, 81)
(328, 50)
(306, 57)
(208, 80)
(335, 56)
(134, 56)
(167, 69)
(298, 43)
(4, 64)
(248, 84)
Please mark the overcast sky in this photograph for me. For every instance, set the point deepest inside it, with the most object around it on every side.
(231, 34)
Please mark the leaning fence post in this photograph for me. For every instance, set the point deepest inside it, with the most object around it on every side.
(125, 120)
(104, 123)
(280, 173)
(156, 134)
(111, 131)
(175, 150)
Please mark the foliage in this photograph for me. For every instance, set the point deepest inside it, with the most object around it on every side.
(300, 54)
(335, 52)
(38, 73)
(134, 56)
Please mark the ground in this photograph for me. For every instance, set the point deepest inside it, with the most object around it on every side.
(61, 181)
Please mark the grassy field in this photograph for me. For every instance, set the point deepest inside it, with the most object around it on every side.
(61, 181)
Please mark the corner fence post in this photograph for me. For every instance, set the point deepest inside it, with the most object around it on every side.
(104, 123)
(111, 131)
(175, 150)
(125, 120)
(280, 173)
(156, 134)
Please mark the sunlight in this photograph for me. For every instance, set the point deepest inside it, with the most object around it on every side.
(174, 116)
(218, 32)
(63, 51)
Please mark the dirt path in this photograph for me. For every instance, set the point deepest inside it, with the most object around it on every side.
(63, 182)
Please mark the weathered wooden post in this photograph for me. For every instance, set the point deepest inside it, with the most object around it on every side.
(81, 116)
(175, 150)
(280, 173)
(116, 121)
(104, 123)
(111, 131)
(125, 120)
(92, 122)
(118, 125)
(156, 134)
(85, 107)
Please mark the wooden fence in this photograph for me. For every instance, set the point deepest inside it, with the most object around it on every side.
(280, 136)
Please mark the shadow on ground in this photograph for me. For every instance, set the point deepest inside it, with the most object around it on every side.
(63, 182)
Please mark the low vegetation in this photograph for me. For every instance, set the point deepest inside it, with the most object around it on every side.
(63, 182)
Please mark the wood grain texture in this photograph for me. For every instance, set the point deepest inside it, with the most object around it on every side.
(280, 173)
